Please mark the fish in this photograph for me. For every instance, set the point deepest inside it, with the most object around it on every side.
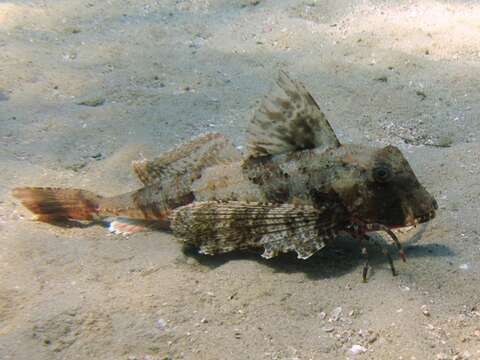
(295, 189)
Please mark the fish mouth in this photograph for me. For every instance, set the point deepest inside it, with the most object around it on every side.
(413, 220)
(419, 219)
(426, 217)
(407, 218)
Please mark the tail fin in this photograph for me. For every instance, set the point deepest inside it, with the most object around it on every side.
(59, 204)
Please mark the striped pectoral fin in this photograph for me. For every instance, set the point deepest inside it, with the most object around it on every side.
(221, 227)
(304, 241)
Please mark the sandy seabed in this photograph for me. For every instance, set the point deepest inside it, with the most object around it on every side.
(87, 87)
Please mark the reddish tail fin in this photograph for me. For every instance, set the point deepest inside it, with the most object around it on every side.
(57, 204)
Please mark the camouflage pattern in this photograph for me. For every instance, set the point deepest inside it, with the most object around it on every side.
(295, 189)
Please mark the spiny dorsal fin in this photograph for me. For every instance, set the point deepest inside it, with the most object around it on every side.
(288, 119)
(187, 159)
(217, 227)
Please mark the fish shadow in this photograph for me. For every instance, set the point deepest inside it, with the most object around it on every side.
(331, 262)
(70, 224)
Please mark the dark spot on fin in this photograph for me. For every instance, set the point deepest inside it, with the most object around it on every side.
(287, 120)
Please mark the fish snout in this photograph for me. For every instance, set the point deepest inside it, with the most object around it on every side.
(428, 211)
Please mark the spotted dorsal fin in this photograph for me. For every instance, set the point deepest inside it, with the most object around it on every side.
(288, 119)
(188, 159)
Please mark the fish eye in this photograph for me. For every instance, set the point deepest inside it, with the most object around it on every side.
(382, 174)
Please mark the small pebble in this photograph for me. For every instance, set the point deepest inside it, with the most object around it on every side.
(357, 349)
(425, 310)
(204, 321)
(328, 329)
(372, 338)
(381, 79)
(161, 324)
(336, 314)
(421, 94)
(94, 101)
(72, 30)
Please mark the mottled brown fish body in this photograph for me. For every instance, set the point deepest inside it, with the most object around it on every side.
(343, 177)
(295, 189)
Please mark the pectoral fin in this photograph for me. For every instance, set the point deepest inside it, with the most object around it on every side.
(288, 119)
(222, 227)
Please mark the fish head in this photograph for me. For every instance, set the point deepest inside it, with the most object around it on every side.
(379, 186)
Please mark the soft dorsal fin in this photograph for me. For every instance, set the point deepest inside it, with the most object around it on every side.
(288, 119)
(187, 159)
